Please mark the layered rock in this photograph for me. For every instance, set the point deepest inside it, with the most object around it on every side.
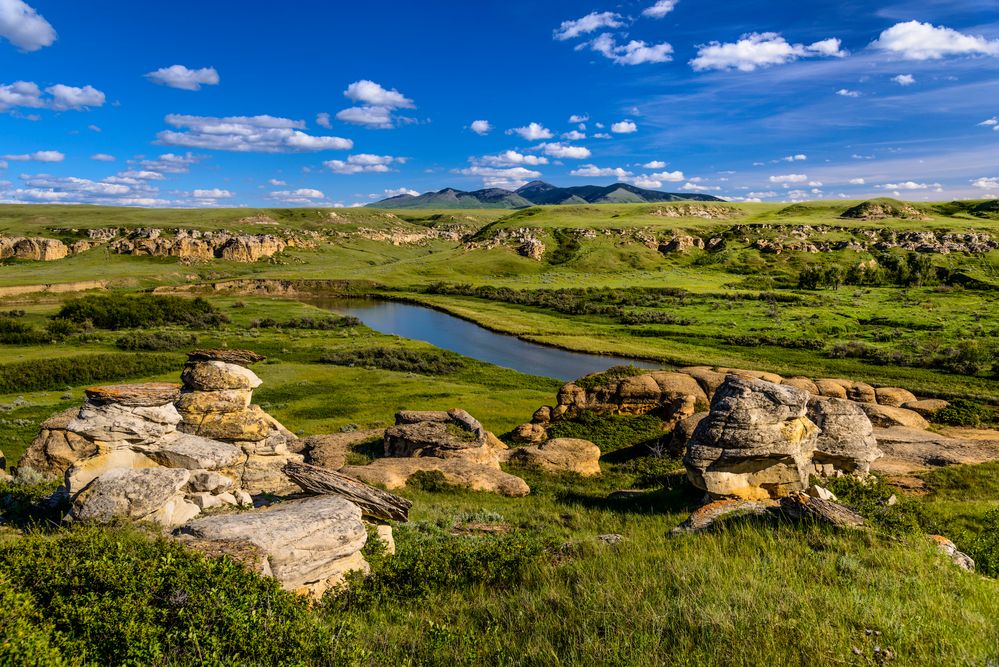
(216, 403)
(35, 249)
(757, 441)
(845, 443)
(309, 545)
(560, 455)
(454, 434)
(394, 473)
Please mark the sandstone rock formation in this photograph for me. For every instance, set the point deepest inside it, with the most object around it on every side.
(560, 455)
(36, 249)
(393, 473)
(454, 434)
(309, 544)
(330, 451)
(845, 443)
(884, 416)
(757, 442)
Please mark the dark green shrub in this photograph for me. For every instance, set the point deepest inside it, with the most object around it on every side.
(610, 375)
(871, 499)
(119, 311)
(158, 341)
(656, 471)
(116, 596)
(54, 374)
(424, 362)
(15, 332)
(962, 412)
(313, 323)
(26, 636)
(429, 480)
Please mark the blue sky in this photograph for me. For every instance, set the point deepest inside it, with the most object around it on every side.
(307, 103)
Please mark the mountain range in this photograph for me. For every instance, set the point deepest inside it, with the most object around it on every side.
(537, 193)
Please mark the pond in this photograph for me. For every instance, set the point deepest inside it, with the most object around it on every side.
(467, 338)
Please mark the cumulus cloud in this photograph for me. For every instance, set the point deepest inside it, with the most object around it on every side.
(669, 176)
(914, 40)
(323, 120)
(800, 157)
(481, 127)
(276, 182)
(908, 185)
(168, 163)
(846, 92)
(789, 178)
(179, 76)
(37, 156)
(660, 9)
(247, 134)
(363, 163)
(375, 105)
(299, 196)
(690, 186)
(532, 132)
(635, 52)
(401, 191)
(565, 151)
(904, 79)
(858, 181)
(510, 179)
(655, 164)
(511, 159)
(758, 50)
(574, 135)
(589, 23)
(991, 122)
(24, 27)
(60, 97)
(986, 183)
(624, 127)
(110, 191)
(593, 171)
(579, 118)
(102, 157)
(212, 193)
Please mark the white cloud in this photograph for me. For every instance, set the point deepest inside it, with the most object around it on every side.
(789, 178)
(565, 151)
(323, 120)
(669, 176)
(904, 79)
(61, 97)
(300, 196)
(579, 118)
(246, 134)
(695, 187)
(660, 9)
(37, 156)
(907, 185)
(846, 92)
(512, 159)
(509, 179)
(761, 50)
(815, 184)
(574, 135)
(276, 182)
(481, 127)
(858, 181)
(94, 128)
(655, 164)
(913, 40)
(213, 193)
(376, 105)
(363, 163)
(73, 190)
(646, 182)
(169, 163)
(589, 23)
(370, 93)
(602, 135)
(102, 157)
(800, 157)
(986, 183)
(179, 76)
(991, 122)
(624, 127)
(24, 27)
(532, 132)
(635, 52)
(401, 191)
(593, 171)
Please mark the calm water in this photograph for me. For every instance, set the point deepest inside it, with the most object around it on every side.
(458, 335)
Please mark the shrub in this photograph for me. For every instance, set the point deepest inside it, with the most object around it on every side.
(870, 498)
(54, 374)
(118, 311)
(612, 374)
(424, 362)
(114, 596)
(962, 412)
(610, 433)
(155, 341)
(314, 323)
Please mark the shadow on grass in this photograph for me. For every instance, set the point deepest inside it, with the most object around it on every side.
(678, 499)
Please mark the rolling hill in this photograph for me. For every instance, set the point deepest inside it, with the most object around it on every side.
(537, 193)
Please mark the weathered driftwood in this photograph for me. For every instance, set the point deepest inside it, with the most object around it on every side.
(373, 502)
(802, 506)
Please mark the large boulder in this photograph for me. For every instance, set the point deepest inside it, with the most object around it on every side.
(894, 397)
(218, 376)
(927, 407)
(683, 432)
(56, 448)
(664, 393)
(446, 435)
(707, 378)
(394, 473)
(908, 450)
(309, 544)
(846, 443)
(149, 494)
(119, 423)
(560, 455)
(884, 416)
(330, 451)
(802, 383)
(756, 442)
(192, 452)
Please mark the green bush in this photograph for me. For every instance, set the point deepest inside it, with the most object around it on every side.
(116, 596)
(963, 412)
(871, 499)
(424, 362)
(610, 433)
(55, 374)
(313, 323)
(119, 311)
(157, 341)
(612, 374)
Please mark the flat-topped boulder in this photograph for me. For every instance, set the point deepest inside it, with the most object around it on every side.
(559, 455)
(330, 451)
(926, 407)
(218, 376)
(908, 450)
(192, 452)
(394, 473)
(884, 416)
(226, 355)
(148, 494)
(310, 544)
(149, 394)
(207, 402)
(845, 443)
(661, 392)
(756, 442)
(894, 397)
(117, 423)
(447, 435)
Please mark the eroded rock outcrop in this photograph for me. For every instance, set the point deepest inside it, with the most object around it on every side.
(757, 441)
(559, 455)
(394, 473)
(845, 443)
